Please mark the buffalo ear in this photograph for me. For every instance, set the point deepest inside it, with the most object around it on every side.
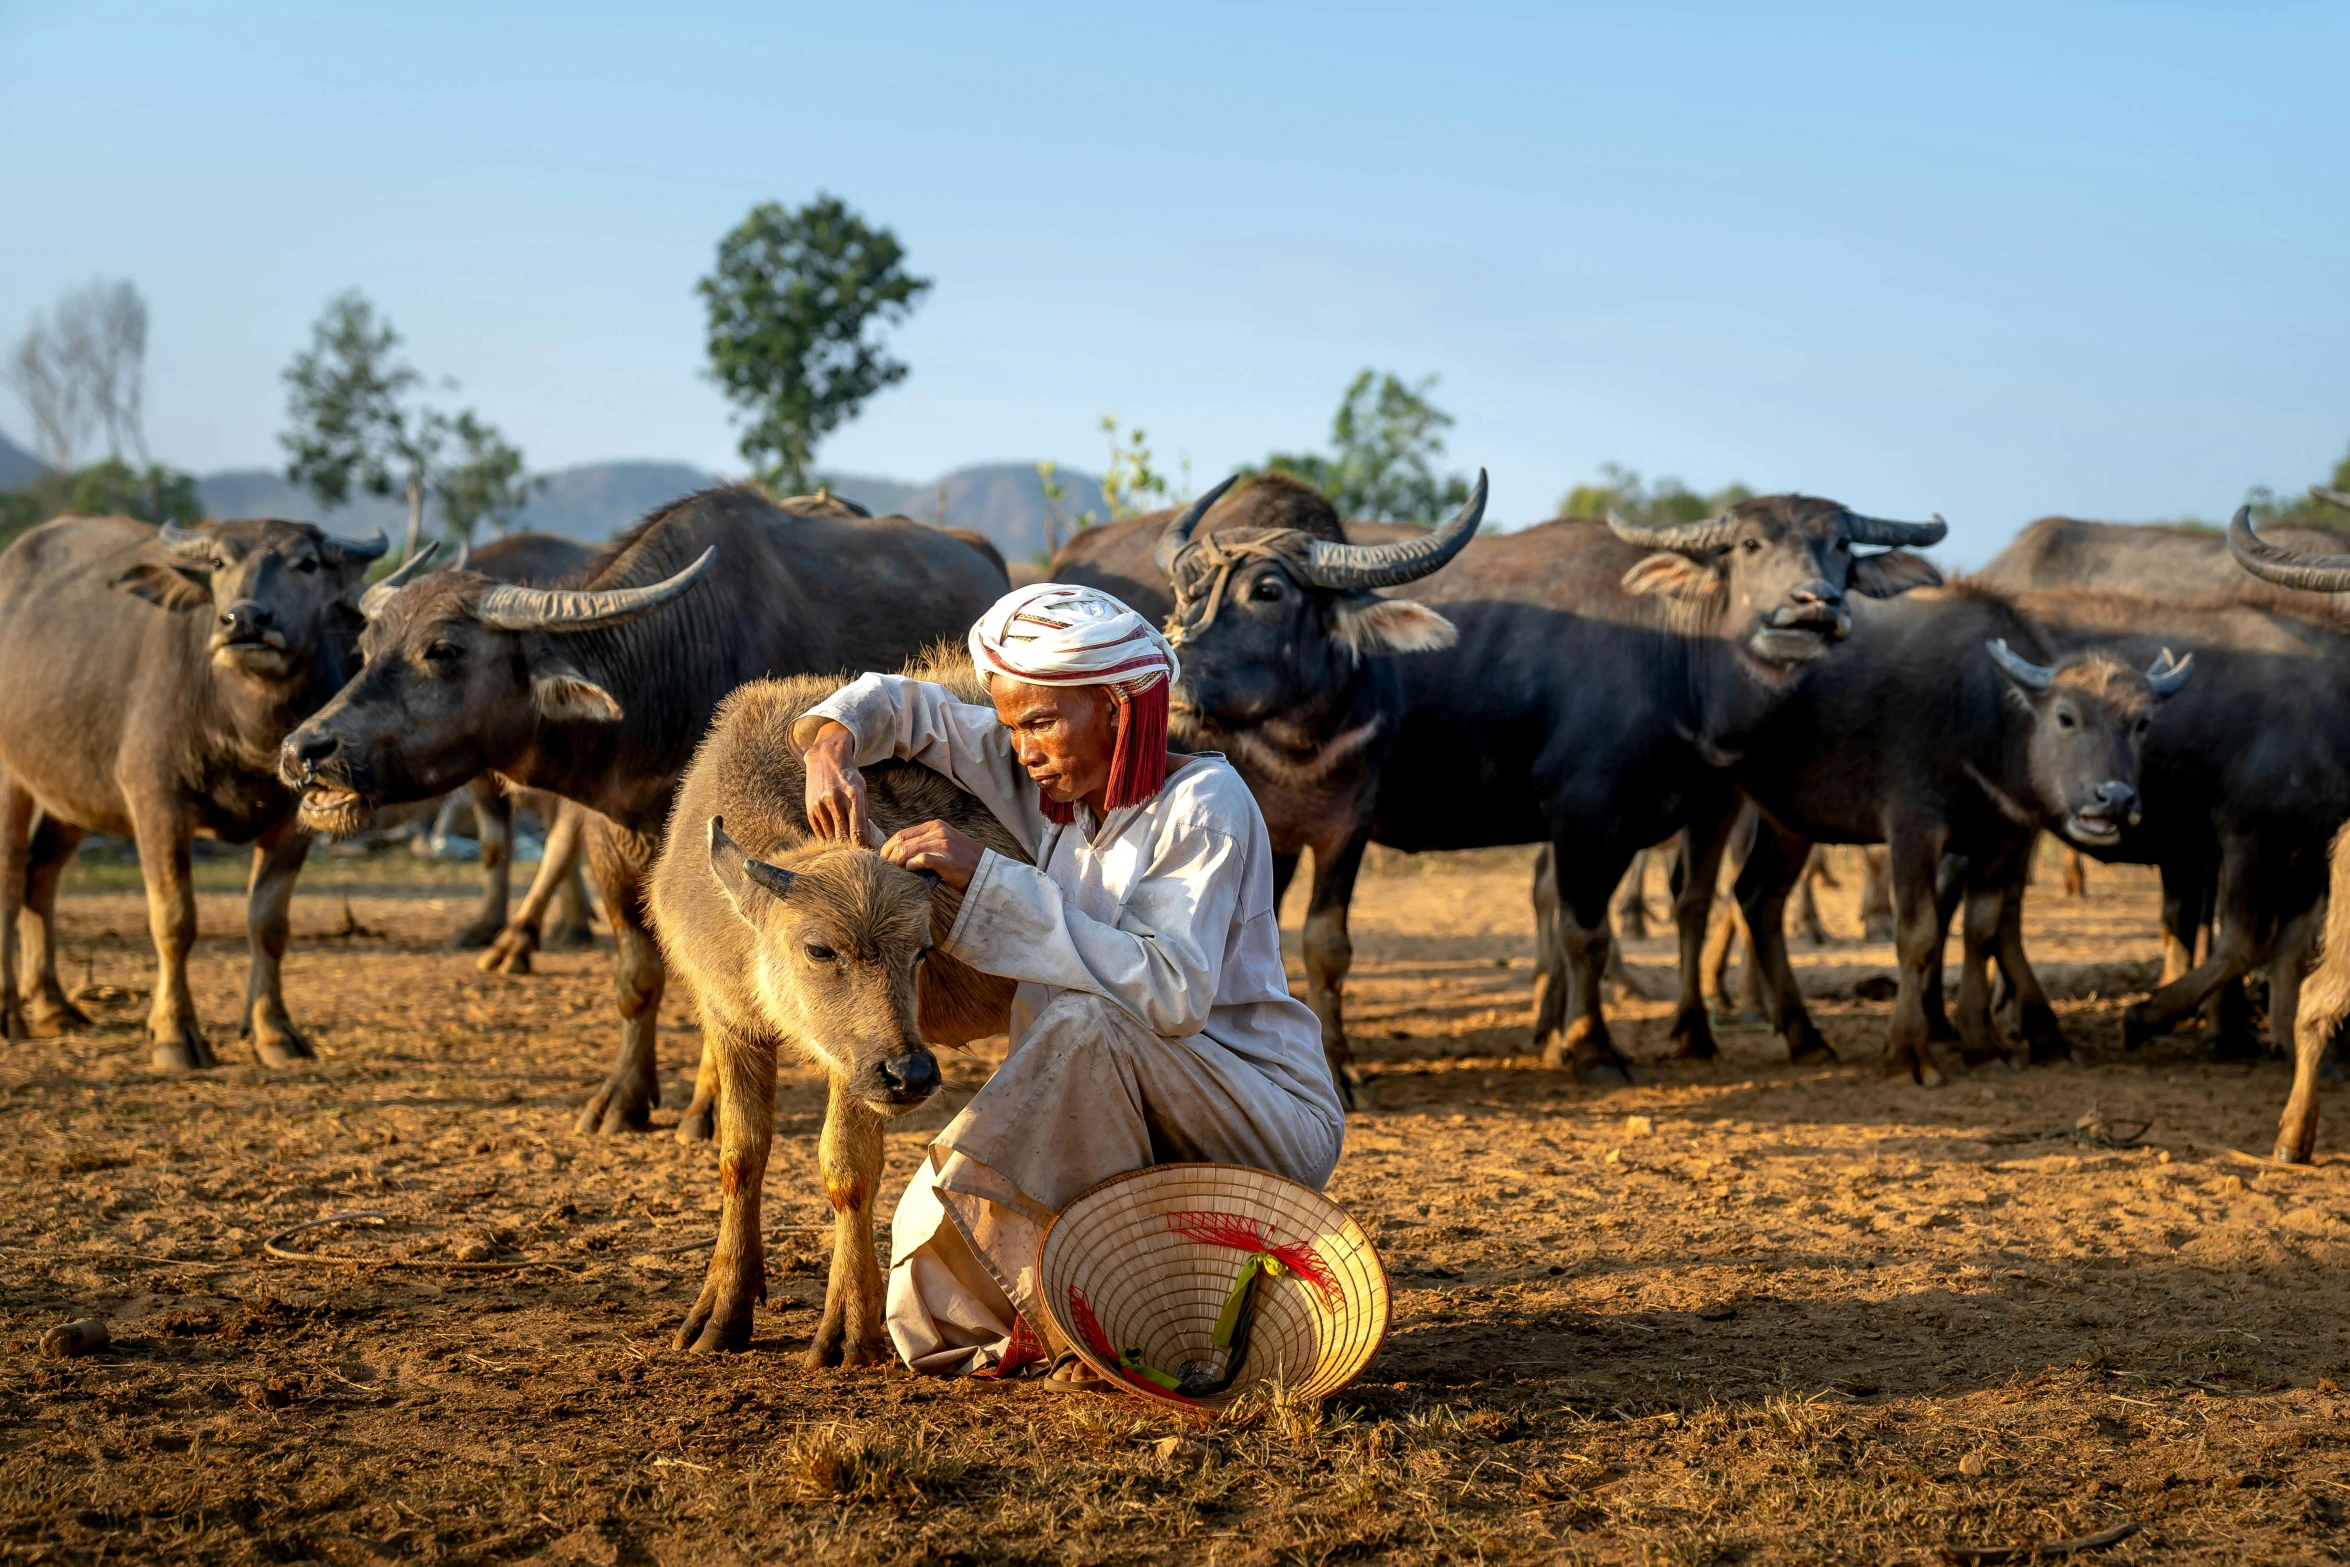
(1892, 574)
(1377, 625)
(561, 693)
(743, 878)
(177, 587)
(1673, 575)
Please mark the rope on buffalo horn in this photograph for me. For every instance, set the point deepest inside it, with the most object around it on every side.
(1986, 1555)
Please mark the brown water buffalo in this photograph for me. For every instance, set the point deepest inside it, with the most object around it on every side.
(1554, 684)
(150, 678)
(1947, 728)
(788, 941)
(599, 693)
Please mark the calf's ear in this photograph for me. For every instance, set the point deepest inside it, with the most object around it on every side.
(1892, 574)
(561, 693)
(1377, 625)
(176, 586)
(1673, 575)
(743, 878)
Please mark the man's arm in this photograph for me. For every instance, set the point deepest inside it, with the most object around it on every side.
(884, 717)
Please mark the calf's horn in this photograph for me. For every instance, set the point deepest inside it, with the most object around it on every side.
(1711, 534)
(181, 542)
(1877, 530)
(1178, 532)
(1347, 566)
(2021, 670)
(362, 549)
(2166, 674)
(728, 856)
(574, 609)
(2331, 497)
(2286, 568)
(371, 602)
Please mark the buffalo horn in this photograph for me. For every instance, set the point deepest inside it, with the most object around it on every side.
(561, 609)
(724, 851)
(1905, 535)
(2166, 674)
(2286, 568)
(181, 542)
(2339, 498)
(1349, 566)
(362, 549)
(371, 602)
(1688, 537)
(1178, 532)
(2021, 670)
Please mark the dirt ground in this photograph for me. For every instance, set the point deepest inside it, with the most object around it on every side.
(1737, 1313)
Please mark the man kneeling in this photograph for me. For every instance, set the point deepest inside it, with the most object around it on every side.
(1153, 1021)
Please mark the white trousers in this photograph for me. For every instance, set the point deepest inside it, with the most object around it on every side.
(1086, 1093)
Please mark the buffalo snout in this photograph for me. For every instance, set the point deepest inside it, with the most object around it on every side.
(907, 1079)
(247, 622)
(305, 751)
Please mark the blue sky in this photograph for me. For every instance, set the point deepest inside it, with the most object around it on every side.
(1988, 261)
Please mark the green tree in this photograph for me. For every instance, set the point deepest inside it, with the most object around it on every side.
(352, 419)
(485, 483)
(1666, 501)
(791, 303)
(1130, 484)
(157, 493)
(2303, 510)
(1384, 443)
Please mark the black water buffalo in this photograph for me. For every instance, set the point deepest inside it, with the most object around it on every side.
(1946, 728)
(150, 678)
(589, 694)
(1565, 693)
(2145, 560)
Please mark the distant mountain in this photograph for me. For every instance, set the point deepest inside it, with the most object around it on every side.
(1004, 501)
(18, 467)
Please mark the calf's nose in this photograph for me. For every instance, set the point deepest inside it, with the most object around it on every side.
(910, 1077)
(2116, 798)
(311, 747)
(244, 620)
(1818, 591)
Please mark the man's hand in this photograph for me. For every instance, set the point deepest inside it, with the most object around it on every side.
(836, 789)
(934, 846)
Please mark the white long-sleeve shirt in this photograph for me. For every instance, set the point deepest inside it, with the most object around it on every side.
(1165, 908)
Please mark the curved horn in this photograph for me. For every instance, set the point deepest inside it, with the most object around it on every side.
(2021, 670)
(362, 549)
(1876, 530)
(731, 861)
(188, 546)
(371, 602)
(2286, 568)
(2331, 497)
(1688, 537)
(1178, 532)
(558, 609)
(1345, 566)
(464, 556)
(2166, 674)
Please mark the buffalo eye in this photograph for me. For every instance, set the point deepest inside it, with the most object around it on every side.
(2064, 720)
(820, 953)
(306, 564)
(444, 652)
(2142, 725)
(1751, 546)
(1268, 589)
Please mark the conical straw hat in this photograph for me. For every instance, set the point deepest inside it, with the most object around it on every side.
(1147, 1260)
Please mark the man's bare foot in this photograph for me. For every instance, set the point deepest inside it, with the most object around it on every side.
(1070, 1374)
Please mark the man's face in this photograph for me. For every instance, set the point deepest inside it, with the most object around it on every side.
(1064, 735)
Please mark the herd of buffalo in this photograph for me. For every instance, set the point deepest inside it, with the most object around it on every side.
(1785, 674)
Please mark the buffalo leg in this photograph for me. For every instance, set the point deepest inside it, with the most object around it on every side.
(849, 1152)
(1585, 883)
(1806, 912)
(49, 1008)
(166, 863)
(493, 829)
(1631, 904)
(17, 813)
(1914, 858)
(1950, 885)
(2288, 964)
(2236, 946)
(1703, 843)
(1550, 977)
(737, 1280)
(566, 842)
(1772, 868)
(269, 897)
(1329, 951)
(568, 927)
(2044, 1040)
(2324, 1003)
(2076, 874)
(625, 1100)
(1876, 895)
(699, 1122)
(2183, 914)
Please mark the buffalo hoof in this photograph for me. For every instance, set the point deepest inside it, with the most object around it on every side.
(708, 1331)
(2235, 1046)
(1986, 1058)
(1918, 1066)
(1608, 1071)
(476, 933)
(55, 1015)
(570, 938)
(1813, 1051)
(281, 1044)
(184, 1051)
(1693, 1039)
(836, 1351)
(616, 1108)
(509, 954)
(12, 1020)
(2296, 1147)
(2137, 1026)
(699, 1122)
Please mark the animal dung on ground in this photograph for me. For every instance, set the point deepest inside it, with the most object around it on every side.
(75, 1338)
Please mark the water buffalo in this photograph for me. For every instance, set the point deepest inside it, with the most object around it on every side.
(590, 694)
(1561, 686)
(789, 941)
(151, 676)
(1946, 728)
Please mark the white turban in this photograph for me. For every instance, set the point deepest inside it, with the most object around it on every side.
(1053, 634)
